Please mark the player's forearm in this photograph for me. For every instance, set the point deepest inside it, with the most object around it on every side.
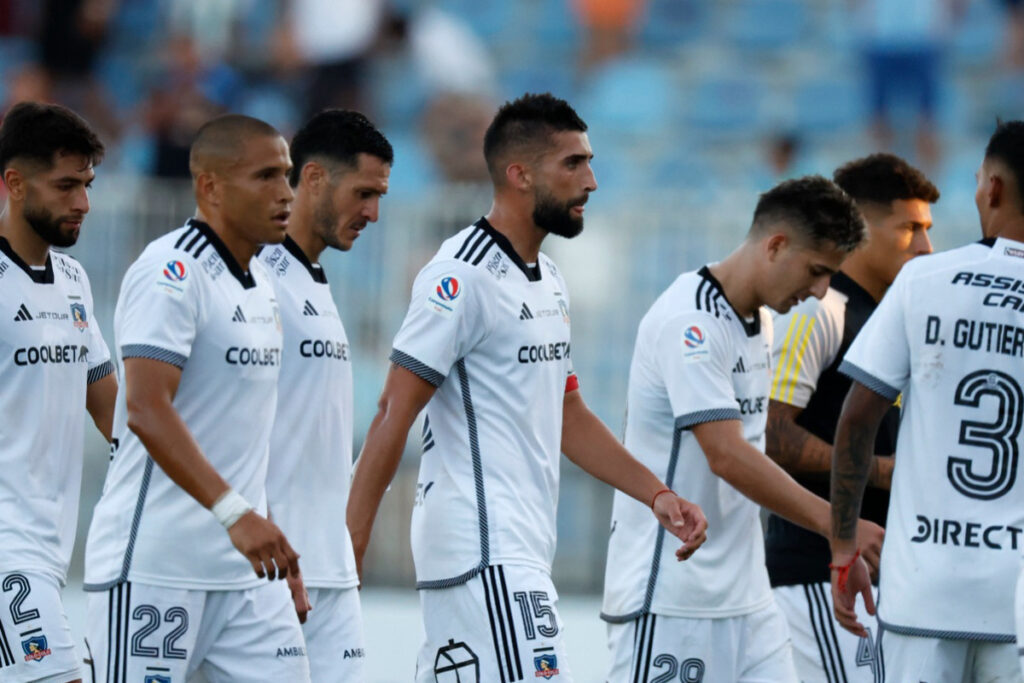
(374, 471)
(757, 477)
(100, 398)
(170, 444)
(590, 444)
(852, 461)
(798, 451)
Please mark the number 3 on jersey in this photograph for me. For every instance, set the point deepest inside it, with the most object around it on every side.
(1001, 437)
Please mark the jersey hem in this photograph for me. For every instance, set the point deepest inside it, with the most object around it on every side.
(162, 582)
(416, 367)
(689, 613)
(330, 583)
(876, 385)
(690, 420)
(948, 635)
(434, 584)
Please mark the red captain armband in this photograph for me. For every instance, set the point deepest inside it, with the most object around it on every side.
(572, 383)
(844, 571)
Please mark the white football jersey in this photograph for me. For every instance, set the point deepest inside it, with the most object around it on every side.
(949, 335)
(311, 443)
(492, 334)
(50, 350)
(187, 302)
(696, 361)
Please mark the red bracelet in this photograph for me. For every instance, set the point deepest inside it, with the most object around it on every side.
(844, 571)
(658, 494)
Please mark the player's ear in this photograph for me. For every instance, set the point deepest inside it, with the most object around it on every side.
(774, 244)
(208, 188)
(995, 190)
(313, 176)
(519, 176)
(15, 182)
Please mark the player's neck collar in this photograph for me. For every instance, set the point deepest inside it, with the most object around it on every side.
(842, 282)
(43, 276)
(751, 327)
(532, 274)
(243, 276)
(315, 271)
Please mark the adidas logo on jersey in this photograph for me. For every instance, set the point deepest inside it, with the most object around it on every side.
(23, 314)
(308, 309)
(238, 317)
(739, 367)
(524, 313)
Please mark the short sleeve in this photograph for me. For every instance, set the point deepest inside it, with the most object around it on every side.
(447, 317)
(159, 310)
(693, 354)
(807, 339)
(879, 357)
(99, 354)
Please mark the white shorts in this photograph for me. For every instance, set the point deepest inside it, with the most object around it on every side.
(824, 651)
(139, 633)
(334, 636)
(35, 639)
(500, 626)
(938, 660)
(753, 648)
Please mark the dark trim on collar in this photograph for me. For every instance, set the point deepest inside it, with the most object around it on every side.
(752, 328)
(988, 242)
(40, 277)
(243, 276)
(315, 271)
(532, 274)
(841, 282)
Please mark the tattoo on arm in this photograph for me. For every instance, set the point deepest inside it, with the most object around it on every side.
(852, 457)
(794, 448)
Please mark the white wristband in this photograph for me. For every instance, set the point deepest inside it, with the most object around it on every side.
(229, 508)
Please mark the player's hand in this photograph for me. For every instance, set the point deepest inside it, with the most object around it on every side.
(299, 595)
(869, 542)
(684, 520)
(843, 602)
(264, 545)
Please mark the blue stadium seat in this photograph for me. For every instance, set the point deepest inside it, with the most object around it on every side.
(413, 172)
(765, 25)
(633, 96)
(488, 19)
(979, 34)
(725, 107)
(829, 106)
(673, 22)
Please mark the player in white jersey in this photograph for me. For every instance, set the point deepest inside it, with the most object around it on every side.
(341, 165)
(697, 405)
(485, 347)
(807, 397)
(54, 365)
(949, 337)
(179, 546)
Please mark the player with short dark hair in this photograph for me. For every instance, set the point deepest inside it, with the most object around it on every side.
(807, 396)
(341, 169)
(180, 548)
(53, 364)
(485, 348)
(948, 338)
(697, 409)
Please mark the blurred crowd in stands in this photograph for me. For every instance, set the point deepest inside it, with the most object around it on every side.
(679, 93)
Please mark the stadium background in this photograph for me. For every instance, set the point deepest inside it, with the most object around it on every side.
(691, 106)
